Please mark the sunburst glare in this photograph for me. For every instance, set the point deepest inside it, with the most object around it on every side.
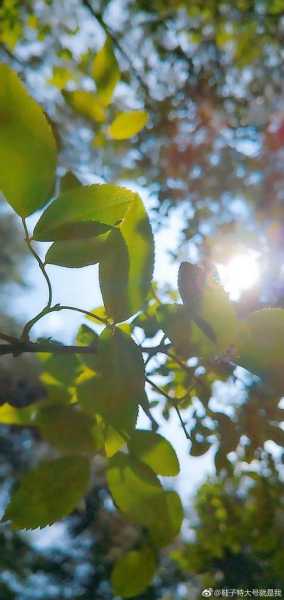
(240, 273)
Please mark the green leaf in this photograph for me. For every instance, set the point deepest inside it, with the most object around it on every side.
(69, 181)
(105, 71)
(116, 389)
(155, 451)
(261, 345)
(138, 493)
(87, 104)
(133, 572)
(126, 272)
(135, 489)
(83, 212)
(208, 305)
(60, 77)
(49, 492)
(188, 339)
(99, 311)
(167, 527)
(113, 441)
(9, 415)
(86, 336)
(217, 310)
(77, 253)
(27, 147)
(120, 357)
(67, 429)
(127, 124)
(175, 321)
(62, 367)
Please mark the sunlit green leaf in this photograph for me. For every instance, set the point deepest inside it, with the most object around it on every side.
(165, 529)
(27, 147)
(127, 124)
(155, 451)
(62, 367)
(133, 572)
(9, 415)
(60, 77)
(126, 271)
(86, 104)
(83, 212)
(113, 441)
(49, 492)
(77, 253)
(86, 336)
(105, 71)
(135, 489)
(99, 311)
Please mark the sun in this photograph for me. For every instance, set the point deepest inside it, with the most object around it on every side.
(240, 273)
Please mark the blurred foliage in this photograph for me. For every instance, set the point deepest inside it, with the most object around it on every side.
(238, 531)
(184, 100)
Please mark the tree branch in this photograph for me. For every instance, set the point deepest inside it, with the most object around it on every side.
(109, 32)
(8, 338)
(24, 347)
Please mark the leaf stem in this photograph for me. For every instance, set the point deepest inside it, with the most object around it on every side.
(85, 312)
(40, 263)
(47, 308)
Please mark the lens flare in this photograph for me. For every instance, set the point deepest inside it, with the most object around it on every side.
(240, 273)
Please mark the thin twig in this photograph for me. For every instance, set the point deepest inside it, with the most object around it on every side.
(47, 308)
(84, 312)
(56, 308)
(185, 367)
(40, 263)
(173, 402)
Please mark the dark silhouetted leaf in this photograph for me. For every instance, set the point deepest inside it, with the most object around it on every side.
(116, 389)
(261, 344)
(67, 429)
